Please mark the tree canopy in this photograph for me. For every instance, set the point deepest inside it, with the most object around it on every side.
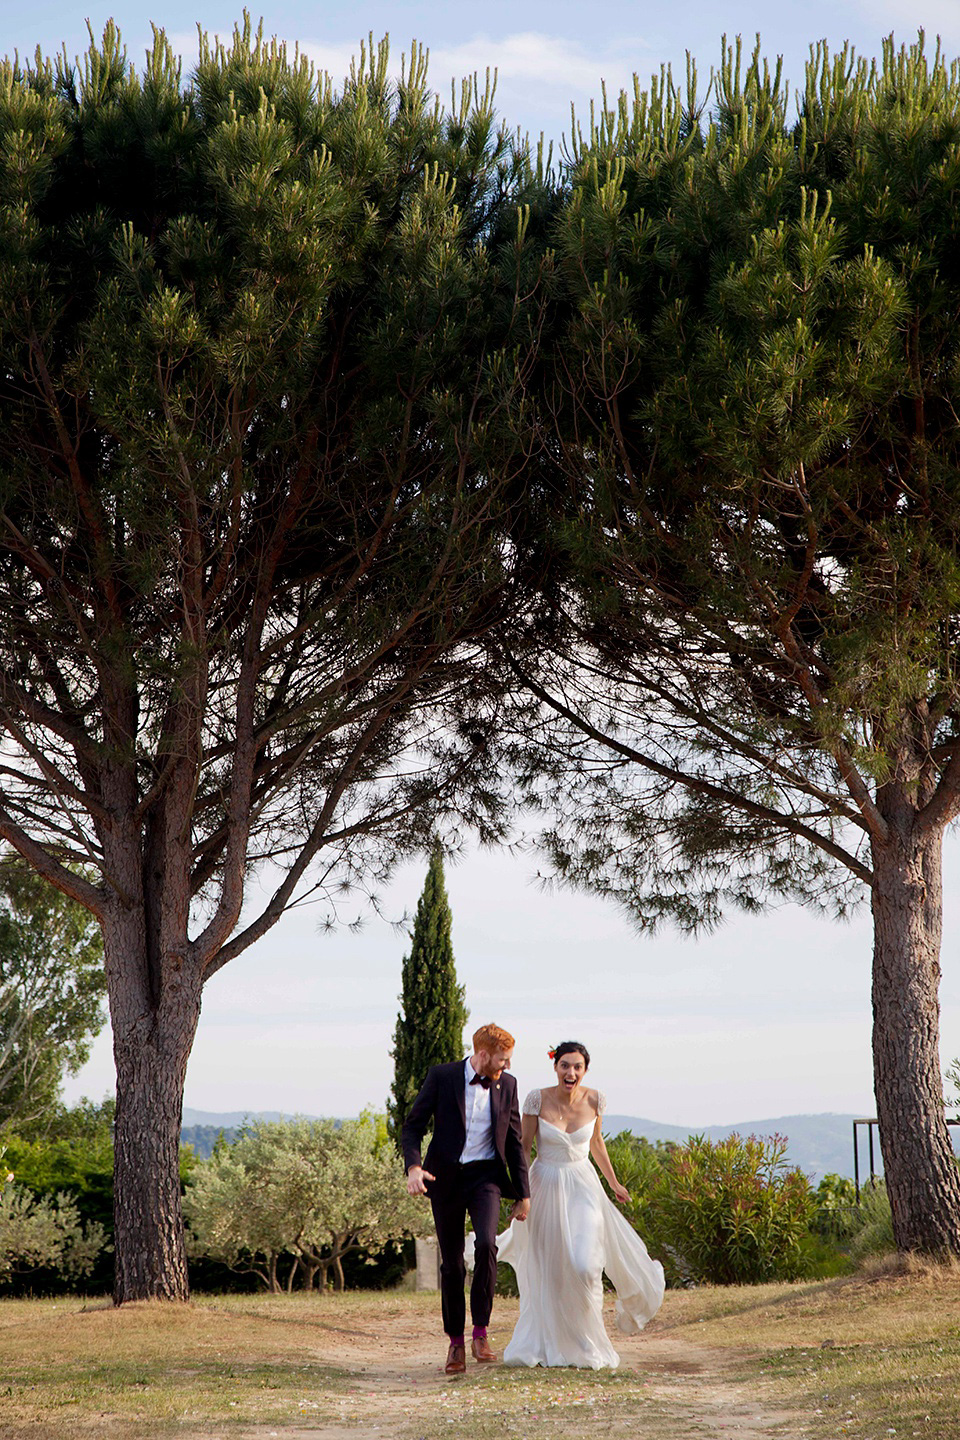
(261, 340)
(743, 674)
(51, 992)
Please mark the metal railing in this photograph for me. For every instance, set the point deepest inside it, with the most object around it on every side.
(856, 1152)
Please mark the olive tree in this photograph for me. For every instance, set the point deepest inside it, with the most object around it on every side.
(43, 1231)
(311, 1190)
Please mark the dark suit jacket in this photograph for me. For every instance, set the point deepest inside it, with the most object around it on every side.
(441, 1099)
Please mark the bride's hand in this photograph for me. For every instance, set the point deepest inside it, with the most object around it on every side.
(620, 1193)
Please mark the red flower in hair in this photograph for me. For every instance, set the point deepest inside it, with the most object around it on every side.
(552, 1054)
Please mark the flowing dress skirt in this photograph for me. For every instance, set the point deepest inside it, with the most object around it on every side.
(559, 1253)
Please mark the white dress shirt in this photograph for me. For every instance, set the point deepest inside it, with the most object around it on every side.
(476, 1110)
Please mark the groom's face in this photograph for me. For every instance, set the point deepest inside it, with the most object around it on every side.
(495, 1062)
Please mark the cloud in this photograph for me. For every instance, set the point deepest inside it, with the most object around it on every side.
(538, 75)
(531, 57)
(546, 61)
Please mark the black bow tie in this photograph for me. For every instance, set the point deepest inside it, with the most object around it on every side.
(483, 1080)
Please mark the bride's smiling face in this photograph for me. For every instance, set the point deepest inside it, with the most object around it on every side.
(570, 1069)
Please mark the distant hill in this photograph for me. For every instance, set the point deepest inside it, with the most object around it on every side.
(235, 1118)
(819, 1144)
(201, 1127)
(202, 1138)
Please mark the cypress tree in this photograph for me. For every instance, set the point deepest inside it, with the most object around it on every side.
(429, 1029)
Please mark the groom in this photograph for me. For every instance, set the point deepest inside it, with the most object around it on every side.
(474, 1156)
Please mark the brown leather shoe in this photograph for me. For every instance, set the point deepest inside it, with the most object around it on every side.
(456, 1360)
(481, 1351)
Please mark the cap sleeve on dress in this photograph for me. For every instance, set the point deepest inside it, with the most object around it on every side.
(531, 1106)
(601, 1102)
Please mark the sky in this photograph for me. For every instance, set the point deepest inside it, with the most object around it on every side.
(769, 1016)
(547, 53)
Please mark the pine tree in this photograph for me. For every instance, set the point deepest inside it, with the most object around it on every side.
(254, 426)
(432, 1016)
(746, 681)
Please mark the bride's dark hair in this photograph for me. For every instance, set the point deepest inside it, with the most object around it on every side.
(568, 1047)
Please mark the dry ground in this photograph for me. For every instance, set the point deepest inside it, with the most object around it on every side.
(865, 1357)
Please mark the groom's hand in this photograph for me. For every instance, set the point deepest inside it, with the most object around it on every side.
(521, 1210)
(416, 1175)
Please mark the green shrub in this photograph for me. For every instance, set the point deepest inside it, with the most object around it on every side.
(638, 1164)
(43, 1233)
(731, 1212)
(73, 1158)
(822, 1259)
(874, 1231)
(836, 1215)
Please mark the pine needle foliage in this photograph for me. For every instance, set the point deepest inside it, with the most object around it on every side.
(260, 331)
(744, 672)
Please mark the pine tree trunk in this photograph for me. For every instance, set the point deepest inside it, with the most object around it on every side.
(921, 1174)
(154, 1009)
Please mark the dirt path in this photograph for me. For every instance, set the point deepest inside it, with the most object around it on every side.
(667, 1388)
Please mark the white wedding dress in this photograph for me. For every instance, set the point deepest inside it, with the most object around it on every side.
(572, 1235)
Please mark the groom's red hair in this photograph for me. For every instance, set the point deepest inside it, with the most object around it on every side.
(491, 1038)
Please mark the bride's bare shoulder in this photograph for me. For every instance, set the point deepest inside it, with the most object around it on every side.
(596, 1100)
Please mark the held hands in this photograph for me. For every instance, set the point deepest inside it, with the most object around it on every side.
(520, 1210)
(620, 1193)
(416, 1175)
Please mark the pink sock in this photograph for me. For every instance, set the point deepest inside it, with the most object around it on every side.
(457, 1340)
(479, 1332)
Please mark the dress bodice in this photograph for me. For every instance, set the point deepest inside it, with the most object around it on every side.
(561, 1147)
(558, 1147)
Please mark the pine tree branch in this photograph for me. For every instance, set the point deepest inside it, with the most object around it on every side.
(692, 782)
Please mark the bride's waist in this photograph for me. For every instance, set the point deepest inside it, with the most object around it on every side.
(560, 1161)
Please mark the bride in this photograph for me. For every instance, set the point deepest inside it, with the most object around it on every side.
(574, 1233)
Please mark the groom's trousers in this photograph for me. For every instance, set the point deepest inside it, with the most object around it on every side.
(474, 1188)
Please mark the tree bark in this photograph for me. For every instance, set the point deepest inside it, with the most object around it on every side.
(292, 1275)
(339, 1282)
(154, 1013)
(907, 900)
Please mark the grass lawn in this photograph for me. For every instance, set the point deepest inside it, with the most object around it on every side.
(860, 1357)
(153, 1368)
